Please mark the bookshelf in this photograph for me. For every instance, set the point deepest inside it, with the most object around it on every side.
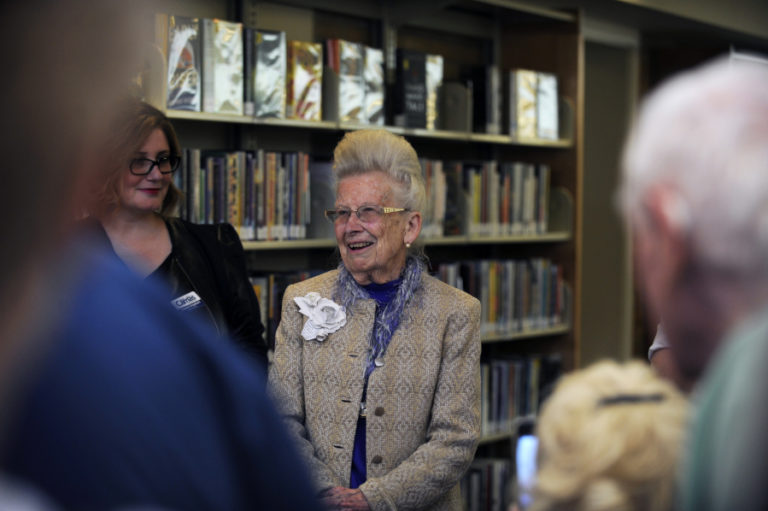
(467, 33)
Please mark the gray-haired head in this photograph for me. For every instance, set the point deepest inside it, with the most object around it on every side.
(370, 150)
(703, 137)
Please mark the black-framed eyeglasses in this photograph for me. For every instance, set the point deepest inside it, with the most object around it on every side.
(366, 214)
(143, 166)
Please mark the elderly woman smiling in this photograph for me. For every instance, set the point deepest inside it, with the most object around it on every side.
(376, 363)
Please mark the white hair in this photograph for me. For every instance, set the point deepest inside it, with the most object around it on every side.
(369, 150)
(703, 137)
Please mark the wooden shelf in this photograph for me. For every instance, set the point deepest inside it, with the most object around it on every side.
(206, 117)
(459, 136)
(500, 436)
(526, 334)
(496, 437)
(290, 244)
(550, 237)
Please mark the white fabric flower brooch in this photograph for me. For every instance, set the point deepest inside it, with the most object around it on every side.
(325, 316)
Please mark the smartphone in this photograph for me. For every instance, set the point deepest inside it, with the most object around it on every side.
(526, 448)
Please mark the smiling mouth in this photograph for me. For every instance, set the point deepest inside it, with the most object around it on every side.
(359, 245)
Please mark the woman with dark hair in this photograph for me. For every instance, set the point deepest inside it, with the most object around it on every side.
(203, 264)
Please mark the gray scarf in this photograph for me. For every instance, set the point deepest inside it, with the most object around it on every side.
(347, 291)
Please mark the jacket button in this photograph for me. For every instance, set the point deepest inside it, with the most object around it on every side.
(379, 411)
(376, 459)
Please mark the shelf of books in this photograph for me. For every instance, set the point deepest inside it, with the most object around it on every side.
(490, 94)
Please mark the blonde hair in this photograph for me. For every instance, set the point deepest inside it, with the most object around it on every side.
(609, 439)
(371, 150)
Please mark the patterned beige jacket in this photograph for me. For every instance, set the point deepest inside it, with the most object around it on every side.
(423, 418)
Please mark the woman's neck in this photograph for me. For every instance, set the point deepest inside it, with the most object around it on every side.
(141, 240)
(124, 222)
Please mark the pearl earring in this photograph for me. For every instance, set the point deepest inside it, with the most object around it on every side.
(407, 245)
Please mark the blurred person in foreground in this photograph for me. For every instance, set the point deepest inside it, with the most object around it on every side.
(110, 398)
(695, 192)
(132, 215)
(377, 364)
(610, 438)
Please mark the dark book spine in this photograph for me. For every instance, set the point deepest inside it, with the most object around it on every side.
(249, 71)
(411, 90)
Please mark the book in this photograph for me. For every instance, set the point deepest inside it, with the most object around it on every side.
(455, 107)
(411, 89)
(486, 93)
(434, 79)
(270, 74)
(351, 81)
(518, 180)
(435, 186)
(248, 226)
(270, 191)
(235, 185)
(455, 220)
(523, 91)
(530, 214)
(542, 199)
(305, 78)
(249, 70)
(222, 66)
(322, 196)
(180, 182)
(373, 77)
(260, 286)
(184, 64)
(547, 107)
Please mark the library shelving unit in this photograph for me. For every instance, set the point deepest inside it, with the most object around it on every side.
(467, 33)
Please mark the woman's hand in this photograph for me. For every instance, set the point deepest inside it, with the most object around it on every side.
(345, 499)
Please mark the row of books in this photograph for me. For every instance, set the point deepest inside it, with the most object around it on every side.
(265, 195)
(268, 195)
(515, 387)
(501, 313)
(221, 66)
(517, 295)
(486, 198)
(523, 103)
(487, 485)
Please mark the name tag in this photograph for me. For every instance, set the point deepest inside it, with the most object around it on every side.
(187, 301)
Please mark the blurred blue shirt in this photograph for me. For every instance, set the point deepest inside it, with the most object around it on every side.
(133, 405)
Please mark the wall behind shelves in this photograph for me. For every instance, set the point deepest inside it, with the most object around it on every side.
(606, 292)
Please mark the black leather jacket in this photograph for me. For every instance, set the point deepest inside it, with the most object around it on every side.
(209, 260)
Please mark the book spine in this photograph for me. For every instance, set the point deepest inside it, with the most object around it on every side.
(249, 71)
(271, 189)
(209, 68)
(259, 192)
(271, 85)
(349, 66)
(248, 229)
